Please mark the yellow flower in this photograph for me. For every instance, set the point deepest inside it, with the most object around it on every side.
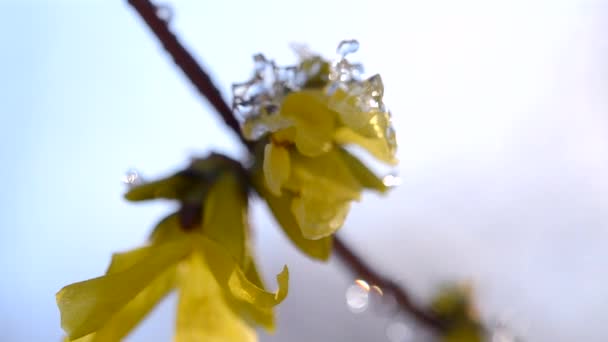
(315, 121)
(319, 189)
(305, 128)
(210, 265)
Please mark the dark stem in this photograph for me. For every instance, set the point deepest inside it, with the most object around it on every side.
(202, 82)
(364, 271)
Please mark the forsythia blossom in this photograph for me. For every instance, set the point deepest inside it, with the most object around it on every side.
(201, 251)
(304, 116)
(301, 118)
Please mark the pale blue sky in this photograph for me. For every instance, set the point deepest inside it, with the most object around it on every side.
(500, 111)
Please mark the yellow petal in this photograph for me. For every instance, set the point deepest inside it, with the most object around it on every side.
(202, 313)
(88, 338)
(261, 316)
(276, 167)
(317, 216)
(314, 122)
(231, 277)
(326, 174)
(281, 210)
(376, 146)
(243, 289)
(86, 306)
(363, 118)
(366, 177)
(172, 187)
(126, 319)
(225, 216)
(168, 229)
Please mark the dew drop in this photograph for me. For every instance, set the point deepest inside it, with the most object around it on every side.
(375, 86)
(357, 297)
(301, 50)
(391, 180)
(398, 332)
(132, 177)
(164, 12)
(347, 47)
(260, 63)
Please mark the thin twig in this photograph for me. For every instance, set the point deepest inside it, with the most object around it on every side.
(203, 83)
(364, 271)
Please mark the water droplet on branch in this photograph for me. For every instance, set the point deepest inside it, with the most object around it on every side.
(165, 12)
(357, 296)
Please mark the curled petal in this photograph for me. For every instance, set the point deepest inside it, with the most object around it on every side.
(243, 289)
(280, 206)
(261, 316)
(231, 277)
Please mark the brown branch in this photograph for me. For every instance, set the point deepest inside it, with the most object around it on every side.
(202, 81)
(195, 73)
(364, 271)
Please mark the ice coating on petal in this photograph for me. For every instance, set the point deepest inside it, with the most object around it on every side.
(277, 98)
(311, 110)
(366, 120)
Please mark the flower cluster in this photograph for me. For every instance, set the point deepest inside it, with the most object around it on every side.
(201, 251)
(301, 118)
(305, 115)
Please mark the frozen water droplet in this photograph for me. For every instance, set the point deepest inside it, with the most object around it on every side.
(391, 180)
(398, 332)
(301, 50)
(164, 12)
(375, 87)
(357, 297)
(259, 63)
(347, 47)
(132, 177)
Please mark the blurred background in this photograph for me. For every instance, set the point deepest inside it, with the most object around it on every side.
(502, 119)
